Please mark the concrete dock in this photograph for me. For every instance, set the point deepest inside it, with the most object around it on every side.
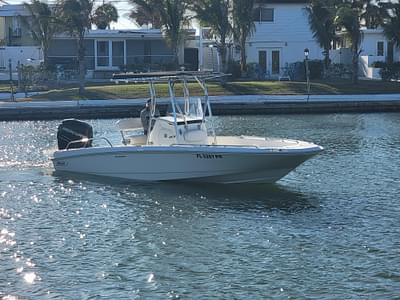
(221, 105)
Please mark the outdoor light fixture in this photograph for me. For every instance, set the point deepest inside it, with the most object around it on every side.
(306, 52)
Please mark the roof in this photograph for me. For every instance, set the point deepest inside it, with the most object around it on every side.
(139, 34)
(11, 10)
(283, 1)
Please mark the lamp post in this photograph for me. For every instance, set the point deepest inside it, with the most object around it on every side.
(306, 54)
(12, 97)
(211, 46)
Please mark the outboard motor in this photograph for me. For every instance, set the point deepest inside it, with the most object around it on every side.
(71, 130)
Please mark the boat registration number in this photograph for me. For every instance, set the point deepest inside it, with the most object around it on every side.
(208, 156)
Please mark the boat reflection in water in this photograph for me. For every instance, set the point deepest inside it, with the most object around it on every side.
(180, 145)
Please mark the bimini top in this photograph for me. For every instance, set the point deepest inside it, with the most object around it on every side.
(166, 76)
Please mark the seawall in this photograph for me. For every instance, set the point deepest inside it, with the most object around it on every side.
(221, 105)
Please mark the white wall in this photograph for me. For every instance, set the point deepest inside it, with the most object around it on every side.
(289, 32)
(25, 55)
(369, 45)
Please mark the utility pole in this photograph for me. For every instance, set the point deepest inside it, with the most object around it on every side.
(12, 98)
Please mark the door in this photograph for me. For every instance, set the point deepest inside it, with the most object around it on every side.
(191, 58)
(118, 53)
(390, 56)
(103, 54)
(262, 61)
(276, 62)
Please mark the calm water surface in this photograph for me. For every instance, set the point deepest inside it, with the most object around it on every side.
(331, 229)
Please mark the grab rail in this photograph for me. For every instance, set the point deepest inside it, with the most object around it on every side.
(85, 140)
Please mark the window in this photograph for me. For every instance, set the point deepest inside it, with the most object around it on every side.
(117, 53)
(109, 54)
(262, 14)
(267, 15)
(102, 53)
(379, 49)
(147, 52)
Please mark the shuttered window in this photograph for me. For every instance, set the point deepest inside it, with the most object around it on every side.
(261, 14)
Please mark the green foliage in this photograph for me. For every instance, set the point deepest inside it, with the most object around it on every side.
(173, 17)
(43, 25)
(321, 15)
(215, 14)
(348, 19)
(316, 68)
(76, 16)
(243, 25)
(390, 71)
(379, 64)
(104, 15)
(391, 27)
(145, 14)
(233, 68)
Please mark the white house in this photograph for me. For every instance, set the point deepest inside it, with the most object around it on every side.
(282, 32)
(374, 47)
(16, 42)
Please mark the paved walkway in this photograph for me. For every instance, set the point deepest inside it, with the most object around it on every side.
(250, 104)
(244, 99)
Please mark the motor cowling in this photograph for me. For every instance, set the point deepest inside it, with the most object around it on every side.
(73, 134)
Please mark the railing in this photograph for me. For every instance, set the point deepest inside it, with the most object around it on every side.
(86, 140)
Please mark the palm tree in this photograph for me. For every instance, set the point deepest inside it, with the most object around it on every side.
(104, 15)
(145, 14)
(173, 17)
(321, 16)
(43, 25)
(215, 13)
(373, 14)
(391, 27)
(243, 26)
(348, 18)
(77, 19)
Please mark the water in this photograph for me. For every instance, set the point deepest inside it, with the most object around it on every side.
(331, 229)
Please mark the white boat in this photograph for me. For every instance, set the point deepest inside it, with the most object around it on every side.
(180, 145)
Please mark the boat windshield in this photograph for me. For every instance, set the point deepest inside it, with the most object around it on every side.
(192, 108)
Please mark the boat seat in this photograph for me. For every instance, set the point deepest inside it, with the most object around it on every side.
(195, 136)
(129, 124)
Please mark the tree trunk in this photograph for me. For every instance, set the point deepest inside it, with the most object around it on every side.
(81, 63)
(354, 76)
(243, 53)
(326, 59)
(326, 63)
(223, 52)
(45, 49)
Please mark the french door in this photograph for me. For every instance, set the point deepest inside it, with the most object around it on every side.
(269, 61)
(109, 54)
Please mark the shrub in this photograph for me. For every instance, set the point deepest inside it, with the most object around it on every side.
(316, 68)
(390, 71)
(233, 68)
(379, 64)
(252, 70)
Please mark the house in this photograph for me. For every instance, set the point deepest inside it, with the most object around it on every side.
(282, 32)
(16, 42)
(374, 47)
(108, 51)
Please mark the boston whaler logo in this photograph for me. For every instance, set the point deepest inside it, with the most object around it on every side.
(61, 163)
(208, 156)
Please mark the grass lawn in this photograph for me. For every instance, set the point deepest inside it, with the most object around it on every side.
(132, 91)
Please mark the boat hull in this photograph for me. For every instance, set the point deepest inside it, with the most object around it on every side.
(194, 163)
